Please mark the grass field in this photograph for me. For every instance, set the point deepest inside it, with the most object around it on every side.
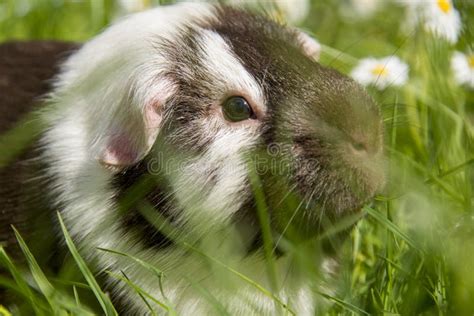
(413, 251)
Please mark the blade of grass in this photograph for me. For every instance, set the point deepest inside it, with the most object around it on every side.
(38, 305)
(244, 278)
(208, 295)
(159, 274)
(71, 283)
(347, 306)
(7, 283)
(59, 303)
(76, 295)
(152, 311)
(161, 223)
(4, 311)
(455, 169)
(141, 262)
(102, 298)
(265, 227)
(342, 225)
(392, 227)
(141, 291)
(433, 178)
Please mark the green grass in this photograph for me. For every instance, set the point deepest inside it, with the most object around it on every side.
(413, 251)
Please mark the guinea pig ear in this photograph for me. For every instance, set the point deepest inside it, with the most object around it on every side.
(135, 129)
(127, 146)
(311, 46)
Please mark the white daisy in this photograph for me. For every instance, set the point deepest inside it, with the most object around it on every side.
(438, 17)
(463, 68)
(381, 73)
(443, 20)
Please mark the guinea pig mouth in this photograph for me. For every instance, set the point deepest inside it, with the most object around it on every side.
(323, 216)
(334, 209)
(336, 197)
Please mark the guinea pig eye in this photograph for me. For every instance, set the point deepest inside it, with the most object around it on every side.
(237, 109)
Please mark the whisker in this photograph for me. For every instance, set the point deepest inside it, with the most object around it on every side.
(287, 226)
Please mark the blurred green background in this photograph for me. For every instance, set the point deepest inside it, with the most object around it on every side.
(413, 253)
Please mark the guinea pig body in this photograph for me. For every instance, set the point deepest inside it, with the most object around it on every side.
(186, 97)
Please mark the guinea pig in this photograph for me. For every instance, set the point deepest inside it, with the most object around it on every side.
(180, 134)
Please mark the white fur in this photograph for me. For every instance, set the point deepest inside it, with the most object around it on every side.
(227, 70)
(106, 86)
(204, 203)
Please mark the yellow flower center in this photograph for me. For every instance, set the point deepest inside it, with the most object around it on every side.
(470, 61)
(444, 5)
(380, 70)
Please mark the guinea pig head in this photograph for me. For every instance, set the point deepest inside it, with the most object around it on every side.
(247, 86)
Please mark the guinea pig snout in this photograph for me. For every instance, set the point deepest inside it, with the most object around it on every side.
(366, 171)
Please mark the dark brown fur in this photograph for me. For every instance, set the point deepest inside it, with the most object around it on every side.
(26, 70)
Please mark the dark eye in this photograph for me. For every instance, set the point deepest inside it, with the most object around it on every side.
(358, 146)
(237, 109)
